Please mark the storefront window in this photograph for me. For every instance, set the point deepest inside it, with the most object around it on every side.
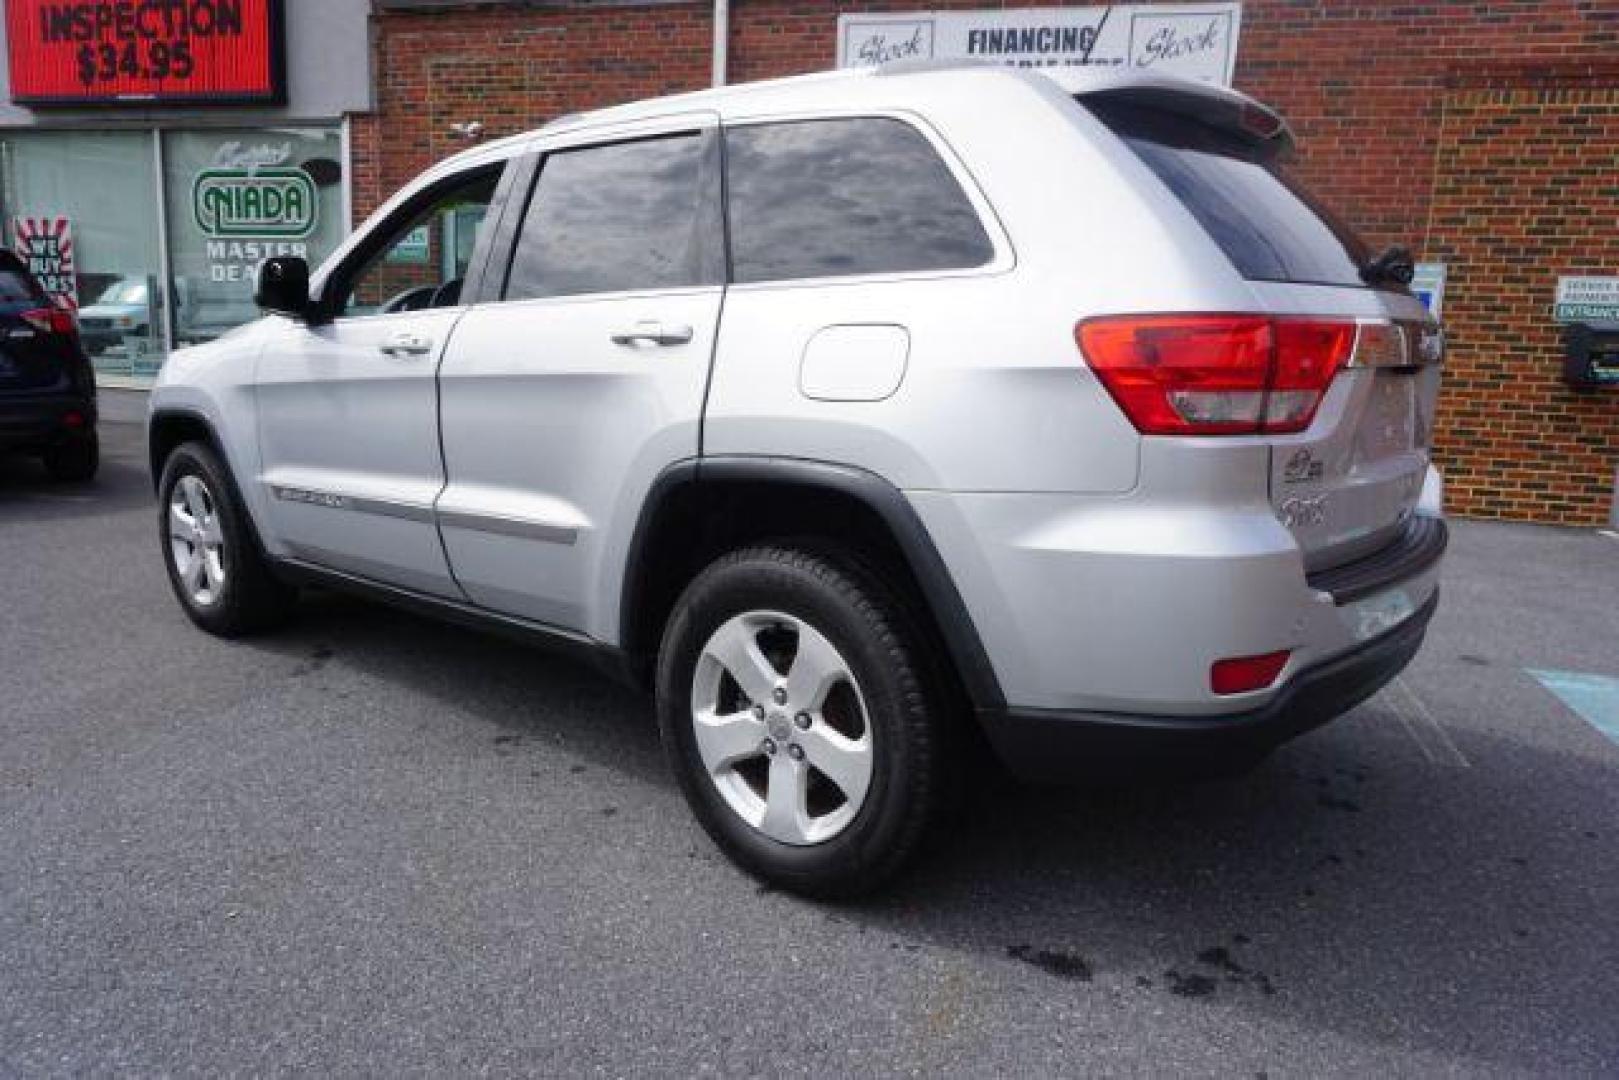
(236, 198)
(231, 198)
(95, 193)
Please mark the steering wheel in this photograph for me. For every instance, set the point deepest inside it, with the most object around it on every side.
(418, 298)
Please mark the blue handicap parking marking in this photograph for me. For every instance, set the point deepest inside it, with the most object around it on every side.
(1594, 697)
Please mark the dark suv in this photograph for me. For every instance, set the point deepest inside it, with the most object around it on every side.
(47, 389)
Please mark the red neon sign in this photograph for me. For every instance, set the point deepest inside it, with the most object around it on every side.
(142, 51)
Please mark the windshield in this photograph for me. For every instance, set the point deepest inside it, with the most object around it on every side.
(1264, 221)
(127, 291)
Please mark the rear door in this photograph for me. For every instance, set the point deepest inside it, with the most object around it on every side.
(1347, 484)
(565, 395)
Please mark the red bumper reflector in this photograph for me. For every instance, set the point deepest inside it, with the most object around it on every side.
(1241, 674)
(73, 420)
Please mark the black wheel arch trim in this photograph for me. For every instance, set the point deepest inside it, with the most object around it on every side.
(217, 445)
(939, 592)
(181, 412)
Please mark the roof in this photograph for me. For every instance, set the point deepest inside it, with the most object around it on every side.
(852, 87)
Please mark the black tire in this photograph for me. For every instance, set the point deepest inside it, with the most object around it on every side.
(907, 712)
(74, 460)
(251, 599)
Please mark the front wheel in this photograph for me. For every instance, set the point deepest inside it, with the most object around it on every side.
(219, 575)
(797, 712)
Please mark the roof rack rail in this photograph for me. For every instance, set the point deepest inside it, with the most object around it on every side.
(913, 67)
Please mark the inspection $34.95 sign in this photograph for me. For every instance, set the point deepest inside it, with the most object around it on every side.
(145, 51)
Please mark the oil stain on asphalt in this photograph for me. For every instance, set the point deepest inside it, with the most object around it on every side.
(1062, 964)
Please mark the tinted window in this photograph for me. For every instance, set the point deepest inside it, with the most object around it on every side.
(1266, 224)
(16, 286)
(826, 198)
(631, 216)
(15, 289)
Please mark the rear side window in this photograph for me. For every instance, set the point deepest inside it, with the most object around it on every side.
(1266, 224)
(623, 217)
(828, 198)
(16, 286)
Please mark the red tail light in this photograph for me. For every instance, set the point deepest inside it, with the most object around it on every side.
(1216, 374)
(51, 320)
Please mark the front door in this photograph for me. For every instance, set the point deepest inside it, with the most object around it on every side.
(563, 401)
(348, 410)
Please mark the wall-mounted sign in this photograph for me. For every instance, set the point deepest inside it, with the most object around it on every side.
(145, 51)
(276, 203)
(45, 244)
(1428, 285)
(1583, 299)
(1198, 41)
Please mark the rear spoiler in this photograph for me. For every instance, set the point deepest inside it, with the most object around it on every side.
(1218, 106)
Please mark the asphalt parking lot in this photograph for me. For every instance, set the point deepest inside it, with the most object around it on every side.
(370, 844)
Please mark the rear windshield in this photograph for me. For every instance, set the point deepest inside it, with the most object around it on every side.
(1266, 224)
(16, 287)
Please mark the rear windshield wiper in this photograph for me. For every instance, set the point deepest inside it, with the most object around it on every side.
(1392, 267)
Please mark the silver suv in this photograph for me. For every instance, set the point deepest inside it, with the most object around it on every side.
(866, 417)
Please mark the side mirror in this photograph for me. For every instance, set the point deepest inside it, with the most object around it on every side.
(283, 286)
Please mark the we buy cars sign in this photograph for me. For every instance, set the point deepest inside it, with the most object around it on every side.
(145, 51)
(45, 244)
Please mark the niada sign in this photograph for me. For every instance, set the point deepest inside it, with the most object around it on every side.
(1198, 41)
(275, 203)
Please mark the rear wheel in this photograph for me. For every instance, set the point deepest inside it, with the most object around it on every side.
(74, 460)
(799, 718)
(219, 575)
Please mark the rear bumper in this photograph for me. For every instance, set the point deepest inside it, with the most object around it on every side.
(1053, 745)
(42, 421)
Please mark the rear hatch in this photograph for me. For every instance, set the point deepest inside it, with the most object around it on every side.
(38, 347)
(1349, 481)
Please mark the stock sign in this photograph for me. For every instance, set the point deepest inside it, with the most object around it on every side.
(141, 51)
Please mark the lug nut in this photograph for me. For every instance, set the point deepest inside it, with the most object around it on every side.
(803, 721)
(795, 752)
(768, 746)
(780, 695)
(758, 712)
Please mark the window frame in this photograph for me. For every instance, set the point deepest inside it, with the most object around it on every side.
(704, 124)
(371, 241)
(1002, 260)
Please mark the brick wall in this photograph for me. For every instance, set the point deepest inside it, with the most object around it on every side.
(1422, 123)
(1526, 187)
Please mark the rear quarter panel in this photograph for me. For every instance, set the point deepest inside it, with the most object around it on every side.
(995, 396)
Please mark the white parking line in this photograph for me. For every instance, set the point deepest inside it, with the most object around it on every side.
(1436, 745)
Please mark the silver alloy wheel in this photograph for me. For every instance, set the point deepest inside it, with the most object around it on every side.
(197, 541)
(782, 727)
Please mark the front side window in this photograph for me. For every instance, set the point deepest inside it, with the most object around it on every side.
(423, 257)
(624, 217)
(828, 198)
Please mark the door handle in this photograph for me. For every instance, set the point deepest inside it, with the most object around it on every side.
(407, 344)
(653, 333)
